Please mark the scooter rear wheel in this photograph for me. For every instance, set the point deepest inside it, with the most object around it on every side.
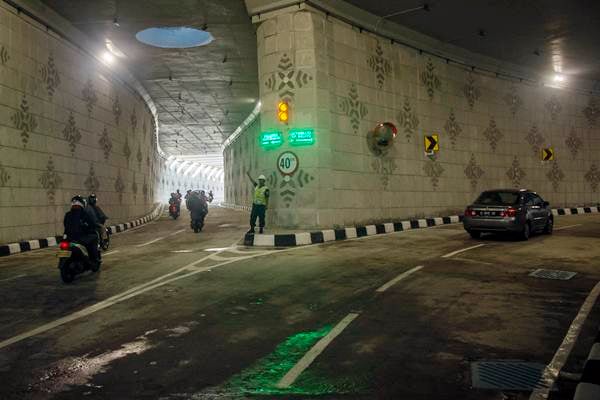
(66, 275)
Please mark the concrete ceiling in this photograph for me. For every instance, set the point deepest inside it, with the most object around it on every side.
(202, 94)
(545, 35)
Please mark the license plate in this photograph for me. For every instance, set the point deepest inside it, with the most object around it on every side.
(487, 213)
(63, 254)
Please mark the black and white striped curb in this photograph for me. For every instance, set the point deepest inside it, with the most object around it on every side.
(588, 387)
(305, 238)
(331, 235)
(28, 245)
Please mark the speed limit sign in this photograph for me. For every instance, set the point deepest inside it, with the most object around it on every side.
(287, 163)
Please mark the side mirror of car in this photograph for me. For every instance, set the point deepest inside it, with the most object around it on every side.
(546, 204)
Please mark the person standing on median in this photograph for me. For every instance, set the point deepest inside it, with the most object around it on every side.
(260, 202)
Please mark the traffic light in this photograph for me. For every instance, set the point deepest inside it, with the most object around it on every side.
(283, 112)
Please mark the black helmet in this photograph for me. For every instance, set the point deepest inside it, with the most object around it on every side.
(92, 199)
(77, 200)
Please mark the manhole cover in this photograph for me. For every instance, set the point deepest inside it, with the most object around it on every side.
(553, 274)
(507, 375)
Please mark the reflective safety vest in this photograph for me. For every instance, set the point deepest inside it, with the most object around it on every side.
(260, 195)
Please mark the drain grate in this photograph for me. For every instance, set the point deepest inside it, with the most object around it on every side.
(553, 274)
(507, 375)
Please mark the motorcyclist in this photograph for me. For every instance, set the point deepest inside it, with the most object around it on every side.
(98, 214)
(198, 208)
(80, 227)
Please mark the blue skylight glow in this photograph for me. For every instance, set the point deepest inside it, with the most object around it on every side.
(174, 37)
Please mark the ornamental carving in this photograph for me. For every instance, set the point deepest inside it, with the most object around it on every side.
(473, 172)
(493, 134)
(92, 184)
(471, 91)
(573, 143)
(384, 167)
(24, 120)
(139, 156)
(592, 111)
(89, 96)
(119, 186)
(71, 133)
(116, 110)
(555, 175)
(430, 79)
(4, 56)
(145, 190)
(408, 119)
(535, 140)
(380, 65)
(287, 79)
(134, 121)
(134, 189)
(452, 128)
(105, 143)
(515, 173)
(50, 76)
(434, 170)
(50, 180)
(593, 177)
(126, 150)
(4, 176)
(354, 108)
(513, 100)
(554, 108)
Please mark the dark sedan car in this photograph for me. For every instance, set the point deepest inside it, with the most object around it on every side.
(521, 212)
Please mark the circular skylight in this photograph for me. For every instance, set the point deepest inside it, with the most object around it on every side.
(174, 37)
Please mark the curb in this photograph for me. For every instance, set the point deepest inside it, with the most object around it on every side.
(588, 387)
(51, 241)
(330, 235)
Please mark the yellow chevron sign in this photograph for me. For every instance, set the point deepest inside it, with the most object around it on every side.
(432, 143)
(548, 154)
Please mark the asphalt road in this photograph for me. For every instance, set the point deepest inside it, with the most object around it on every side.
(196, 316)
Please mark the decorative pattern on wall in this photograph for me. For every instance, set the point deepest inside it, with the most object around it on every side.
(434, 170)
(430, 79)
(134, 188)
(287, 79)
(50, 76)
(119, 186)
(288, 188)
(493, 134)
(105, 143)
(50, 180)
(535, 140)
(515, 173)
(380, 65)
(573, 143)
(89, 96)
(452, 128)
(4, 176)
(513, 101)
(92, 184)
(471, 91)
(592, 111)
(24, 121)
(116, 110)
(354, 108)
(71, 133)
(4, 56)
(408, 119)
(126, 150)
(473, 172)
(384, 166)
(133, 120)
(145, 190)
(593, 177)
(139, 157)
(555, 175)
(553, 106)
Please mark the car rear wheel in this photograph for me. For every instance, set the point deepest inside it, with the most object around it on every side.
(475, 234)
(526, 233)
(549, 226)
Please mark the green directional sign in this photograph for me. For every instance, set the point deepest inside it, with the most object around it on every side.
(302, 137)
(271, 140)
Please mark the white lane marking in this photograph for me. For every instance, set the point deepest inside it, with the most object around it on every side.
(219, 258)
(560, 357)
(227, 225)
(566, 227)
(12, 278)
(314, 352)
(110, 252)
(462, 250)
(160, 238)
(182, 251)
(217, 249)
(397, 279)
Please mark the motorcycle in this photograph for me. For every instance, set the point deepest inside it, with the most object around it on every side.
(73, 259)
(198, 223)
(104, 242)
(174, 211)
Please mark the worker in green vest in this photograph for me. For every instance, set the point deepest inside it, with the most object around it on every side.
(260, 202)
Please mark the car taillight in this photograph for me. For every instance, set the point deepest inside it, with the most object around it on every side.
(64, 245)
(469, 212)
(510, 212)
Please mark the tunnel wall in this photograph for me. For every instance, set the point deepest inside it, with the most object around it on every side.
(491, 130)
(67, 126)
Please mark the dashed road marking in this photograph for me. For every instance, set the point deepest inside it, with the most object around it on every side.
(314, 352)
(160, 238)
(12, 278)
(397, 279)
(462, 250)
(182, 251)
(110, 252)
(566, 227)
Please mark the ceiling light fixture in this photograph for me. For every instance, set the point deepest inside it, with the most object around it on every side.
(116, 21)
(559, 78)
(107, 58)
(113, 49)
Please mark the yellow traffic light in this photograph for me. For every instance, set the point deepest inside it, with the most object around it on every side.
(283, 112)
